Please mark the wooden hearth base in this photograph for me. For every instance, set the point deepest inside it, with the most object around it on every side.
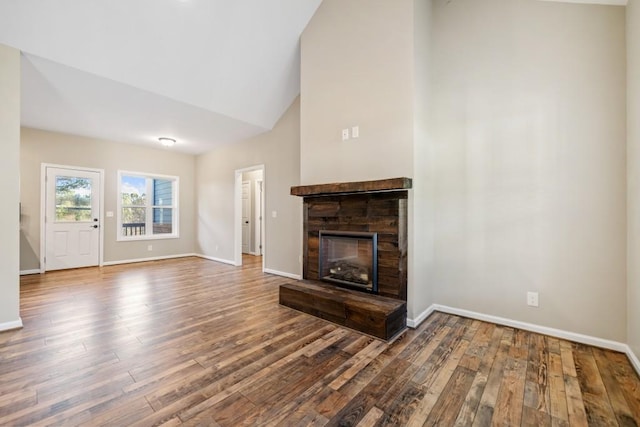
(374, 315)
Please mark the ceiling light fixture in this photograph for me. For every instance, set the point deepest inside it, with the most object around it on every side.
(167, 142)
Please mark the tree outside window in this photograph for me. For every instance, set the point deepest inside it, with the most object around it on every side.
(73, 199)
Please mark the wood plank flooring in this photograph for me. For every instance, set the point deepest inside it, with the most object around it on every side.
(195, 342)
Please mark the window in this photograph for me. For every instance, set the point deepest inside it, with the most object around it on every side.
(147, 206)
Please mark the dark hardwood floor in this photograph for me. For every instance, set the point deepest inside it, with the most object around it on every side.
(201, 343)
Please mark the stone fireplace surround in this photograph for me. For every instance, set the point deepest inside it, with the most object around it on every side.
(368, 206)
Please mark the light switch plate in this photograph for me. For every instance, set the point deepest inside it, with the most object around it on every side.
(532, 299)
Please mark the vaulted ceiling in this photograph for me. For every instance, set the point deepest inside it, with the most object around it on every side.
(205, 72)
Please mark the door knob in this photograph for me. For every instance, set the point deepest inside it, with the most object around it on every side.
(246, 222)
(93, 226)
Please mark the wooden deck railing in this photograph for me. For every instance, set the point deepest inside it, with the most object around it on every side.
(133, 229)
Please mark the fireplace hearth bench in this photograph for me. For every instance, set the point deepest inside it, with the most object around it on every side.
(378, 207)
(381, 317)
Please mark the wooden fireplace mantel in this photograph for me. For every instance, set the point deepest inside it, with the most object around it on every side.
(352, 187)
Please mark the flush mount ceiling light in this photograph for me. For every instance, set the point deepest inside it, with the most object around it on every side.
(167, 142)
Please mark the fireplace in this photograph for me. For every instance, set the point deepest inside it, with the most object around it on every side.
(368, 208)
(354, 258)
(349, 259)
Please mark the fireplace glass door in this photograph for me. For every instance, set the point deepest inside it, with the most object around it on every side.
(349, 259)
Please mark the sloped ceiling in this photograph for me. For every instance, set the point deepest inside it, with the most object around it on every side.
(205, 72)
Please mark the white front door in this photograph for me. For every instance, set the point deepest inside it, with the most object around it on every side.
(246, 215)
(72, 218)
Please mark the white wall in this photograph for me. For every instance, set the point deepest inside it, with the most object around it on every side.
(356, 69)
(39, 147)
(279, 151)
(633, 174)
(529, 138)
(10, 187)
(421, 206)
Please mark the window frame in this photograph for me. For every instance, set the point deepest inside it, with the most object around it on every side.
(149, 206)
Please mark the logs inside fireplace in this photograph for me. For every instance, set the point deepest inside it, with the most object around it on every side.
(349, 259)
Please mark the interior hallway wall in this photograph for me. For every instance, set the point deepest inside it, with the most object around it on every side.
(633, 164)
(10, 187)
(279, 151)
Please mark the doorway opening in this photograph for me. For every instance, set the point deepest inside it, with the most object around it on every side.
(249, 213)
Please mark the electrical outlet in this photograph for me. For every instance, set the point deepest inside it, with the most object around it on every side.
(532, 299)
(345, 134)
(150, 247)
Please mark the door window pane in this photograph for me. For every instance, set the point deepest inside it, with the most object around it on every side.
(73, 199)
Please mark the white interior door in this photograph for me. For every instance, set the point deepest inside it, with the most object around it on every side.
(72, 218)
(258, 218)
(246, 215)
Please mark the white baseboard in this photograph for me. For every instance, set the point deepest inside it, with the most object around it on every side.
(558, 333)
(604, 2)
(155, 258)
(415, 322)
(633, 359)
(16, 324)
(266, 270)
(211, 258)
(544, 330)
(283, 274)
(26, 272)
